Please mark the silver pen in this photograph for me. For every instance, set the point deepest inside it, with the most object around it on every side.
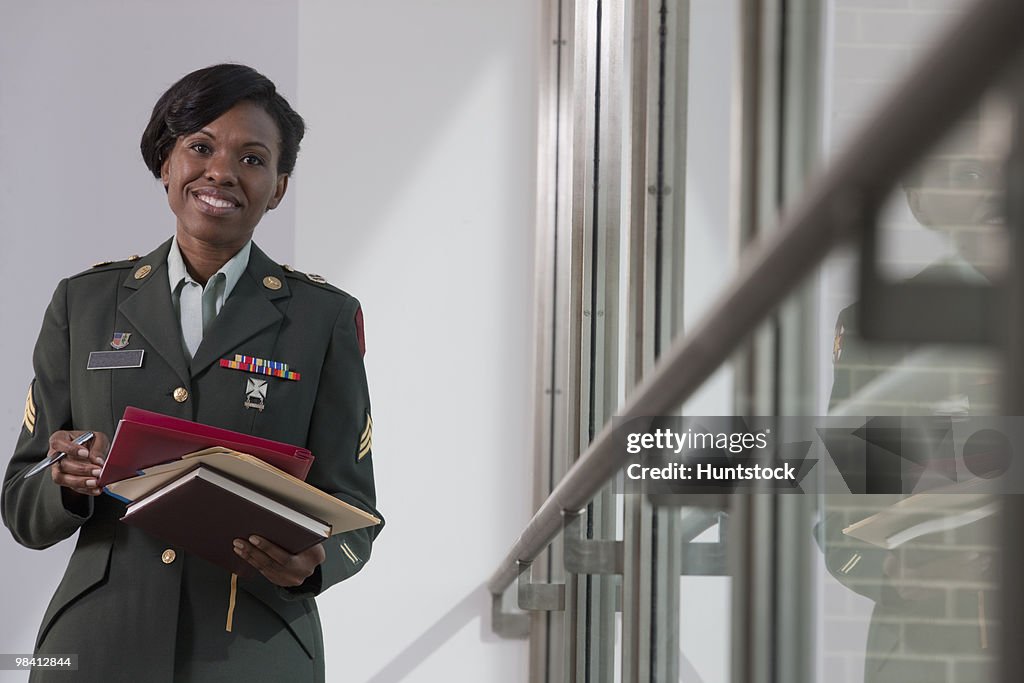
(57, 457)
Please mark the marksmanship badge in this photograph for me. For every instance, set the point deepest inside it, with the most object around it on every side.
(255, 393)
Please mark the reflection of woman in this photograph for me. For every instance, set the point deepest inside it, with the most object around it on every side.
(224, 143)
(936, 612)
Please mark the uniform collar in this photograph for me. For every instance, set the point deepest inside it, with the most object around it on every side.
(232, 270)
(258, 294)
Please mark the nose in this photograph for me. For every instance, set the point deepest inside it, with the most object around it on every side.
(221, 169)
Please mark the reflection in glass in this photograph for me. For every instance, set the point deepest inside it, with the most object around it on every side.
(932, 600)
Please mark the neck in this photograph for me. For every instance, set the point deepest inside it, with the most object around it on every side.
(203, 259)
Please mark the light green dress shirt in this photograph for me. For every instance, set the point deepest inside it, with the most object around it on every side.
(196, 305)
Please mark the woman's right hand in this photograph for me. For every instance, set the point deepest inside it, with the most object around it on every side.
(80, 470)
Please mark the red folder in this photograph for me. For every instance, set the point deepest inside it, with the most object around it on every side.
(144, 439)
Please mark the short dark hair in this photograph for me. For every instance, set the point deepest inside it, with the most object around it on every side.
(202, 96)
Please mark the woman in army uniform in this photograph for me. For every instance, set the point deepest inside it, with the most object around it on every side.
(223, 143)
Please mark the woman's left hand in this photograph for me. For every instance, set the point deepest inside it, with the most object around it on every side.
(278, 565)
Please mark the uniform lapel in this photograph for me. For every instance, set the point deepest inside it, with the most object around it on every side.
(150, 311)
(249, 310)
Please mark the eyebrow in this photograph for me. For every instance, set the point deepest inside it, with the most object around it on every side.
(252, 143)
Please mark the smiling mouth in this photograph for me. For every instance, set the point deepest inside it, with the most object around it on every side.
(213, 205)
(215, 202)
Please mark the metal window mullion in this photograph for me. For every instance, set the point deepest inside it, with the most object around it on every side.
(801, 142)
(636, 590)
(796, 372)
(670, 222)
(671, 169)
(648, 194)
(552, 646)
(640, 315)
(603, 588)
(582, 306)
(751, 521)
(545, 288)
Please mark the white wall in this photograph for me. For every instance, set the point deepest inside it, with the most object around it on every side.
(416, 194)
(414, 191)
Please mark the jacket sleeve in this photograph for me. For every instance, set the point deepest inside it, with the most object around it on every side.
(857, 565)
(341, 436)
(33, 509)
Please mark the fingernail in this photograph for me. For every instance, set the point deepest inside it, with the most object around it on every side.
(90, 483)
(96, 471)
(238, 544)
(83, 452)
(238, 551)
(254, 540)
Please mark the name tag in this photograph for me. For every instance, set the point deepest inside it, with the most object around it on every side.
(115, 360)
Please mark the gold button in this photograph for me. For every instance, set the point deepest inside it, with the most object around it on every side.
(143, 271)
(134, 257)
(271, 282)
(181, 394)
(168, 556)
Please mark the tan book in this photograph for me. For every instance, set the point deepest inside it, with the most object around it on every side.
(925, 513)
(256, 474)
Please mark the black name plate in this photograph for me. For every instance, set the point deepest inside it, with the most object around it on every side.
(115, 360)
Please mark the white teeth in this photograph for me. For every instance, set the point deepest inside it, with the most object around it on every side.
(215, 202)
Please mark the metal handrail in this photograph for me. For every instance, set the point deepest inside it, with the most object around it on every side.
(950, 78)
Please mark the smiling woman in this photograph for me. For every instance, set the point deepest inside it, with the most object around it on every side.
(224, 143)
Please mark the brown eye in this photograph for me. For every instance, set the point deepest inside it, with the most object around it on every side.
(252, 160)
(200, 147)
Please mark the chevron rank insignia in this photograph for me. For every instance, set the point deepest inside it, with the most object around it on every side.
(366, 439)
(30, 412)
(837, 342)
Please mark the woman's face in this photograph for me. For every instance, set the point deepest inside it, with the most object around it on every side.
(221, 180)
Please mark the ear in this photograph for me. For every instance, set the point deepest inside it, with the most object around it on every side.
(282, 187)
(165, 172)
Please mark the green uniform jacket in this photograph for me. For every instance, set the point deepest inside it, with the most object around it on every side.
(948, 635)
(122, 607)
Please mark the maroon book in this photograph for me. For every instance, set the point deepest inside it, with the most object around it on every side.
(144, 438)
(203, 512)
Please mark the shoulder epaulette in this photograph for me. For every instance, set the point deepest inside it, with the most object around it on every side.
(104, 266)
(312, 278)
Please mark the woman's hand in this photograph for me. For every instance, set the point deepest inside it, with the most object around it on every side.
(79, 471)
(278, 565)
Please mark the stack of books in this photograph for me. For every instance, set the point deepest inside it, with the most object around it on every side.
(200, 487)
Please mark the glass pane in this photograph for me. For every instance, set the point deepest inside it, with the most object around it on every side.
(709, 264)
(921, 606)
(708, 246)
